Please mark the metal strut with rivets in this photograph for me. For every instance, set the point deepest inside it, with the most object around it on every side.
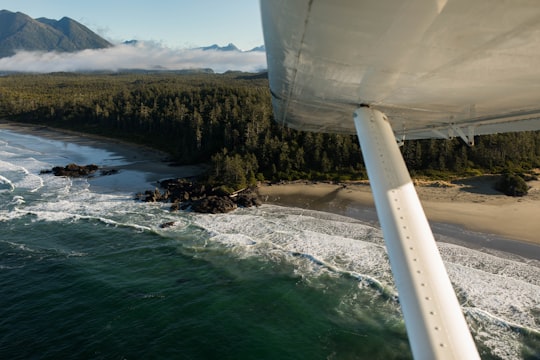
(435, 323)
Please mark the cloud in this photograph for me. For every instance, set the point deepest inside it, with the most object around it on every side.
(142, 55)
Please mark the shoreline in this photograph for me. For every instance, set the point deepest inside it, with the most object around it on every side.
(467, 211)
(138, 157)
(497, 221)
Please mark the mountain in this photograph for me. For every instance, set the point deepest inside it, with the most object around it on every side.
(131, 42)
(258, 48)
(18, 31)
(230, 47)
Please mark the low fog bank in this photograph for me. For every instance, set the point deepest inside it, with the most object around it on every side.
(142, 55)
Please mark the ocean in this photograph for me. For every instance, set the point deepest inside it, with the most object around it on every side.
(86, 272)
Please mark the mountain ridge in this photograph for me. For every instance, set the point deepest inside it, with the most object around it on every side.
(229, 47)
(19, 31)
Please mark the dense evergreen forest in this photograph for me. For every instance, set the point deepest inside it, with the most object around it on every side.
(226, 120)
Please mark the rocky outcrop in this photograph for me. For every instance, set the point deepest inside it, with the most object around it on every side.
(72, 170)
(214, 205)
(167, 224)
(185, 194)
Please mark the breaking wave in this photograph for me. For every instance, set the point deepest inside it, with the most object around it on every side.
(499, 295)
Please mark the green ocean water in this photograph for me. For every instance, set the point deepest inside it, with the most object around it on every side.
(86, 272)
(86, 290)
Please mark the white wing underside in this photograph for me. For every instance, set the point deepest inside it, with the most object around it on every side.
(436, 68)
(427, 69)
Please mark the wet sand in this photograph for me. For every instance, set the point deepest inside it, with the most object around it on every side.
(136, 165)
(469, 210)
(493, 220)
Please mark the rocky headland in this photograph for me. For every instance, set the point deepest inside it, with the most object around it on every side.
(184, 194)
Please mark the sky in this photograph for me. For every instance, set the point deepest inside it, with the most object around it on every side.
(165, 28)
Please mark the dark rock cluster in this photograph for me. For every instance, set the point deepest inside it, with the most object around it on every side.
(185, 194)
(72, 170)
(182, 193)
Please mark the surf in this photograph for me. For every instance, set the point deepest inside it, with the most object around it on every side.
(499, 294)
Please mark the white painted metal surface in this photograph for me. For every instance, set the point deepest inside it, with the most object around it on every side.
(436, 69)
(433, 317)
(429, 65)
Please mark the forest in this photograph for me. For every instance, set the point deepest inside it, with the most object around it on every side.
(226, 120)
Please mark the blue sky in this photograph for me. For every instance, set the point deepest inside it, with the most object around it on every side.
(172, 23)
(167, 30)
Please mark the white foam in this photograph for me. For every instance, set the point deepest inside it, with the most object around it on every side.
(35, 251)
(18, 176)
(17, 200)
(500, 291)
(234, 239)
(6, 185)
(18, 246)
(77, 202)
(332, 242)
(503, 294)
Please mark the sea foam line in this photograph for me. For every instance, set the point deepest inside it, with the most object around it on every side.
(29, 180)
(17, 245)
(487, 316)
(55, 216)
(287, 249)
(7, 182)
(41, 184)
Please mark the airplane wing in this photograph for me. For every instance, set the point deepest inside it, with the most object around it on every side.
(434, 67)
(407, 69)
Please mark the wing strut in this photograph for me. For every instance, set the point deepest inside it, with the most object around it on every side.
(435, 324)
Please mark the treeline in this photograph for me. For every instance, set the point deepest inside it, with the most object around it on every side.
(226, 119)
(510, 152)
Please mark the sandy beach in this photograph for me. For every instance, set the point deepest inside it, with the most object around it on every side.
(155, 164)
(471, 203)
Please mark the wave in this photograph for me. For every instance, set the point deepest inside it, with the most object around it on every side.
(315, 243)
(6, 185)
(35, 252)
(18, 176)
(330, 242)
(499, 295)
(73, 216)
(485, 316)
(22, 247)
(504, 339)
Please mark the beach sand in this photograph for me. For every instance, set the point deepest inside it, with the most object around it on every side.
(470, 203)
(156, 164)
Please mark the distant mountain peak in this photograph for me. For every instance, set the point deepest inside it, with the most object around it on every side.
(131, 42)
(216, 47)
(258, 48)
(19, 31)
(231, 47)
